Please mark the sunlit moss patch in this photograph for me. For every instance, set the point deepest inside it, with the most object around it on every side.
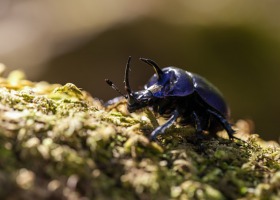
(57, 142)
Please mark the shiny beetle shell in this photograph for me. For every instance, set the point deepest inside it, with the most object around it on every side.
(178, 82)
(179, 96)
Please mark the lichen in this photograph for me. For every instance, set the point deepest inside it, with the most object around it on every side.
(57, 142)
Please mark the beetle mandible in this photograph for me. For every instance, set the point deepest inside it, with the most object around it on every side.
(179, 95)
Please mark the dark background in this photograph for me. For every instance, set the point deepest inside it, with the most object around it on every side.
(234, 45)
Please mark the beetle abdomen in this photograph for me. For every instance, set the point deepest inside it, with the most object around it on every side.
(210, 95)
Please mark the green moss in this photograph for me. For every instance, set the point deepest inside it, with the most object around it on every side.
(58, 142)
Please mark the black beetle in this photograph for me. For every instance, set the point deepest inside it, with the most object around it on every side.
(177, 94)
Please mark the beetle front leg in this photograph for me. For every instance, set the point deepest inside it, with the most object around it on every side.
(162, 128)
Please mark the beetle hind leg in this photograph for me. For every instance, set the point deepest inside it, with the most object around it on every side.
(224, 123)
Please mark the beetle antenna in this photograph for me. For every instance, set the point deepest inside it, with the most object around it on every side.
(154, 65)
(127, 87)
(112, 85)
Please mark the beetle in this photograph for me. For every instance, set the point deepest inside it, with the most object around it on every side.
(181, 96)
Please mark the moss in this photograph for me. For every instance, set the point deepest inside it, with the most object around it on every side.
(57, 142)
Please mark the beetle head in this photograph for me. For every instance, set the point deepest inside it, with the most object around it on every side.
(135, 100)
(142, 98)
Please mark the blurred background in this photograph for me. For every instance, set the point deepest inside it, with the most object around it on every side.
(233, 43)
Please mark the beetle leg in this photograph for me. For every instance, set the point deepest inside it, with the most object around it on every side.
(198, 125)
(197, 122)
(162, 128)
(224, 122)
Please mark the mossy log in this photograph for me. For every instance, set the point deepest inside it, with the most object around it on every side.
(57, 142)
